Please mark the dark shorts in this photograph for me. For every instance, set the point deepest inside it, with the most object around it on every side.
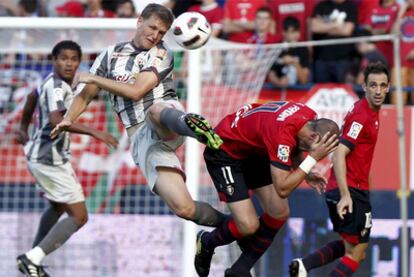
(233, 178)
(355, 227)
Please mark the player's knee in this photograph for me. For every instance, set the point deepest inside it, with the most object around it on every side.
(154, 112)
(81, 219)
(248, 227)
(185, 211)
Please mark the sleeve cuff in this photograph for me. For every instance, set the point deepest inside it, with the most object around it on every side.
(280, 165)
(152, 69)
(347, 143)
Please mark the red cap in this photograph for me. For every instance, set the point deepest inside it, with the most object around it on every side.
(71, 8)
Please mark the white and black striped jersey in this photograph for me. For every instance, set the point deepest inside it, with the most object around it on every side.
(121, 62)
(54, 94)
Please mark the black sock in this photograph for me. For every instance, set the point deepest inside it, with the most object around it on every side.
(325, 255)
(208, 216)
(255, 246)
(224, 234)
(173, 119)
(47, 221)
(345, 268)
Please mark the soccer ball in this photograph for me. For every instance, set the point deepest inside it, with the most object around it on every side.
(191, 30)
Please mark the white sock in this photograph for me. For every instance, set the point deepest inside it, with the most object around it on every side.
(36, 255)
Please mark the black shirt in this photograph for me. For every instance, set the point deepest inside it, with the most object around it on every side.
(326, 9)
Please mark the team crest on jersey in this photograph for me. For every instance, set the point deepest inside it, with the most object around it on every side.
(58, 92)
(283, 152)
(229, 190)
(161, 53)
(355, 130)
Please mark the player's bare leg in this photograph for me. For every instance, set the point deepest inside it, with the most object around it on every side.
(169, 121)
(171, 188)
(276, 211)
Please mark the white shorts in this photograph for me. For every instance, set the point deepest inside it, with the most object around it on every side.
(58, 182)
(149, 151)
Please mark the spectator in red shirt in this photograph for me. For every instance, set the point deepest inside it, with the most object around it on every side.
(71, 9)
(379, 21)
(239, 18)
(125, 9)
(405, 26)
(300, 9)
(264, 32)
(213, 13)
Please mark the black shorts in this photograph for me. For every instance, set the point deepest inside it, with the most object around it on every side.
(233, 178)
(355, 227)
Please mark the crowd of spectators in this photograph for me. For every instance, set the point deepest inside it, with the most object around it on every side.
(273, 21)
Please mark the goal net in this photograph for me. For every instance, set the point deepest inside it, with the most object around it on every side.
(130, 232)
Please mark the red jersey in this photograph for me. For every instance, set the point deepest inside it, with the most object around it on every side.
(384, 18)
(253, 38)
(269, 130)
(241, 10)
(407, 37)
(213, 13)
(359, 133)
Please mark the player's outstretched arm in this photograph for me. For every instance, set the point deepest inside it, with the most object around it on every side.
(339, 164)
(78, 106)
(285, 181)
(144, 82)
(29, 107)
(56, 117)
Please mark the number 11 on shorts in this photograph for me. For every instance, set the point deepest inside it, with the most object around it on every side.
(228, 177)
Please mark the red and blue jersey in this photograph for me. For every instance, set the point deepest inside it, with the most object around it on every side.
(264, 129)
(359, 133)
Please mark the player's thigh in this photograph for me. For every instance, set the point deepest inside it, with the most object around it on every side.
(170, 186)
(227, 176)
(271, 202)
(150, 153)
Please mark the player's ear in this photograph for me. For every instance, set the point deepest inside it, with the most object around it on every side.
(139, 21)
(364, 87)
(315, 136)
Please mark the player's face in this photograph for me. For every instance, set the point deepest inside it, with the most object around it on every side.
(150, 32)
(66, 64)
(306, 137)
(376, 87)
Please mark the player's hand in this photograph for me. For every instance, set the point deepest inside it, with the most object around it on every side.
(344, 206)
(22, 137)
(323, 147)
(83, 77)
(59, 128)
(316, 181)
(109, 140)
